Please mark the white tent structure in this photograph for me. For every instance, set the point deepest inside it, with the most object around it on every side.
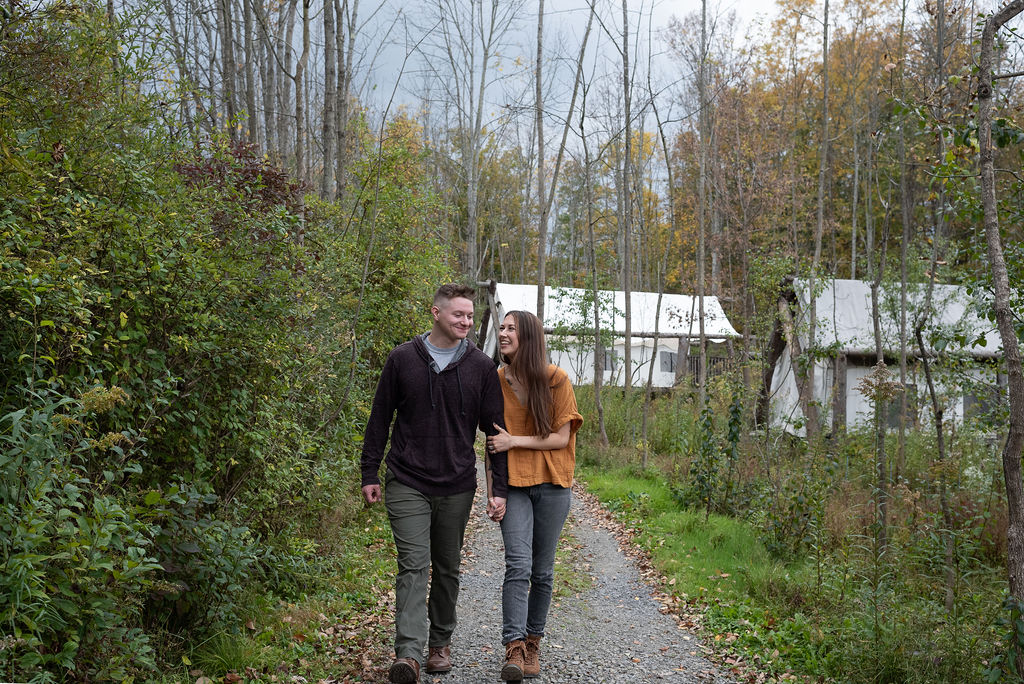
(845, 328)
(569, 321)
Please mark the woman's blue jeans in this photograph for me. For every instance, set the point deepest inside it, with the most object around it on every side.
(533, 521)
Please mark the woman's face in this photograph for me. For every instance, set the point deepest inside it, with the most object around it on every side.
(508, 336)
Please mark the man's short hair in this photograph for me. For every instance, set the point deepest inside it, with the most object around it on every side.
(450, 291)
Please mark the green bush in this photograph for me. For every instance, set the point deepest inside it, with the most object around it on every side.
(190, 349)
(206, 562)
(78, 563)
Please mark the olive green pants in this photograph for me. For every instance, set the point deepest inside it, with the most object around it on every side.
(428, 532)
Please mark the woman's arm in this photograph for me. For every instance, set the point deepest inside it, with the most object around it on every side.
(503, 441)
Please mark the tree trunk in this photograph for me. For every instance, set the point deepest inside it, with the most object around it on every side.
(300, 98)
(542, 223)
(650, 372)
(301, 168)
(940, 444)
(805, 391)
(627, 204)
(702, 211)
(285, 29)
(813, 427)
(268, 62)
(1004, 314)
(875, 272)
(327, 185)
(347, 12)
(853, 211)
(251, 122)
(589, 201)
(227, 51)
(776, 345)
(907, 216)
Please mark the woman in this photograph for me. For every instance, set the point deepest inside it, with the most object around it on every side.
(541, 421)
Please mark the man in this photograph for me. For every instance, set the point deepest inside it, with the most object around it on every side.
(442, 388)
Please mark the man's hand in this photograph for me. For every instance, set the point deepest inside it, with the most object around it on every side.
(496, 508)
(372, 493)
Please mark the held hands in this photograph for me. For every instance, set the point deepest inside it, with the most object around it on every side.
(496, 508)
(371, 493)
(501, 441)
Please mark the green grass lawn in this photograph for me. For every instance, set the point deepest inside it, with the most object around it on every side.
(712, 557)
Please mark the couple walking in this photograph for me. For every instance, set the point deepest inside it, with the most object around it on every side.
(439, 389)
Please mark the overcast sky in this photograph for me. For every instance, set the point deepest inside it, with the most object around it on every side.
(392, 25)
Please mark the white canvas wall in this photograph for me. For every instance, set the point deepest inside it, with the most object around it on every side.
(676, 315)
(845, 324)
(579, 363)
(785, 406)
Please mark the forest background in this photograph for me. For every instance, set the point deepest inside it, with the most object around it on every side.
(214, 227)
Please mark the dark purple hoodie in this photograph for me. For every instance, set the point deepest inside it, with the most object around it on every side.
(436, 416)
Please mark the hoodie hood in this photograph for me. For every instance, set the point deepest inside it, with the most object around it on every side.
(420, 342)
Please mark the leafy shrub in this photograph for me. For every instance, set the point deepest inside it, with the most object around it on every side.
(77, 563)
(233, 339)
(206, 562)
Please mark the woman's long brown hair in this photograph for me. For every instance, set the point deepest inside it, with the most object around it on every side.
(530, 367)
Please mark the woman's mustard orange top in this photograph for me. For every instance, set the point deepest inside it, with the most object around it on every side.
(528, 467)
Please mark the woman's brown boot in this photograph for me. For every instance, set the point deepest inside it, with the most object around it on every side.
(531, 666)
(515, 659)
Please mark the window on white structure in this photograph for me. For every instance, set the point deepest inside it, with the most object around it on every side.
(983, 401)
(895, 406)
(668, 361)
(608, 359)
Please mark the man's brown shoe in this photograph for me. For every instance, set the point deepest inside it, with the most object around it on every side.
(531, 665)
(515, 659)
(404, 671)
(440, 659)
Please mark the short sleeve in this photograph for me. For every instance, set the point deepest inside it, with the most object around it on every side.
(563, 402)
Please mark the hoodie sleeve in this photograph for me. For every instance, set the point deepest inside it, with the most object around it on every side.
(493, 411)
(375, 438)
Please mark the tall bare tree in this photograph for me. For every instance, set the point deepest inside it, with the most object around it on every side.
(599, 349)
(813, 427)
(300, 97)
(347, 31)
(251, 122)
(704, 133)
(626, 199)
(542, 222)
(228, 75)
(461, 51)
(1005, 318)
(330, 121)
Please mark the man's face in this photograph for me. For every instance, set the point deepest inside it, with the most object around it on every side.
(453, 318)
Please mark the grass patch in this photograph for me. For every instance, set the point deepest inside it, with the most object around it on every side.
(703, 558)
(718, 565)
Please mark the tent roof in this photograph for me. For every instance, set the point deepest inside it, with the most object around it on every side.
(844, 317)
(573, 308)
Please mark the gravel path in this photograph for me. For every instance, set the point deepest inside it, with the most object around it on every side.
(611, 631)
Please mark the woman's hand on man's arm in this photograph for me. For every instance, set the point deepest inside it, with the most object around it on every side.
(503, 441)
